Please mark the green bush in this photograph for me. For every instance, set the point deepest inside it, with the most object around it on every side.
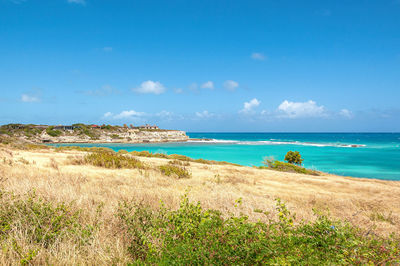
(294, 157)
(115, 136)
(86, 149)
(179, 163)
(179, 157)
(196, 236)
(54, 133)
(110, 160)
(39, 221)
(174, 170)
(270, 163)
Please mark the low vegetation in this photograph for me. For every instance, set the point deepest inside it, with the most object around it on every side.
(110, 160)
(30, 224)
(52, 132)
(273, 164)
(178, 157)
(175, 171)
(193, 235)
(84, 215)
(294, 157)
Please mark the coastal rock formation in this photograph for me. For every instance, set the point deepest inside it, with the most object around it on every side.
(81, 133)
(130, 136)
(126, 136)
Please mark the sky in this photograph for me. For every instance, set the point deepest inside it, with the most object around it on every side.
(210, 65)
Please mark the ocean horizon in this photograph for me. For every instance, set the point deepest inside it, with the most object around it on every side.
(366, 155)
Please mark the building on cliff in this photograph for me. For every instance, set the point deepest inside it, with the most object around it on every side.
(147, 126)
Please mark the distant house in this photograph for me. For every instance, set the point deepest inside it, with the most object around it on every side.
(61, 127)
(40, 126)
(147, 126)
(95, 126)
(16, 126)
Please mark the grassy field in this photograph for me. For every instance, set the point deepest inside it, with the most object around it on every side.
(88, 207)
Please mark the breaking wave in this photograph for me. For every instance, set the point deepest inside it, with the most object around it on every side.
(274, 142)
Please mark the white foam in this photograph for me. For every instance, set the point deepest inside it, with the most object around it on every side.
(213, 141)
(271, 142)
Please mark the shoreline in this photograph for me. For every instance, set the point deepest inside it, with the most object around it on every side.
(323, 173)
(212, 183)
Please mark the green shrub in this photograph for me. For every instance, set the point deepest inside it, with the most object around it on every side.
(115, 136)
(54, 133)
(179, 163)
(179, 157)
(294, 157)
(39, 221)
(110, 160)
(174, 170)
(286, 167)
(149, 154)
(85, 149)
(196, 236)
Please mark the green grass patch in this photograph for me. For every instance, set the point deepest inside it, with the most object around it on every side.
(174, 170)
(39, 221)
(179, 157)
(54, 133)
(287, 167)
(192, 235)
(110, 160)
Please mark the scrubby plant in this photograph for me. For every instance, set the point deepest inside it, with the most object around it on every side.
(271, 163)
(294, 157)
(39, 221)
(115, 136)
(193, 235)
(174, 170)
(179, 163)
(54, 133)
(110, 160)
(179, 157)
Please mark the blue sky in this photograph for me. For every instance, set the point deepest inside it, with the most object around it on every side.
(210, 65)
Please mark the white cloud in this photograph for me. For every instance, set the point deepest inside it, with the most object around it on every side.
(346, 113)
(107, 49)
(265, 112)
(108, 114)
(258, 56)
(128, 114)
(79, 2)
(178, 90)
(29, 98)
(231, 85)
(204, 114)
(301, 109)
(124, 115)
(149, 86)
(208, 85)
(249, 106)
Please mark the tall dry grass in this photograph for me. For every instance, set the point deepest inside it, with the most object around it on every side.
(370, 204)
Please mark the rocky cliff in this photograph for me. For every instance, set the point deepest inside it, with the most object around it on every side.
(127, 136)
(88, 134)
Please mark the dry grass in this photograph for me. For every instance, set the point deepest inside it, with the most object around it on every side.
(370, 204)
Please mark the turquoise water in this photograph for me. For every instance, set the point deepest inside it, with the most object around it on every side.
(371, 155)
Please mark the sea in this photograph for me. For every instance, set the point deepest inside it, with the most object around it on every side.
(368, 155)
